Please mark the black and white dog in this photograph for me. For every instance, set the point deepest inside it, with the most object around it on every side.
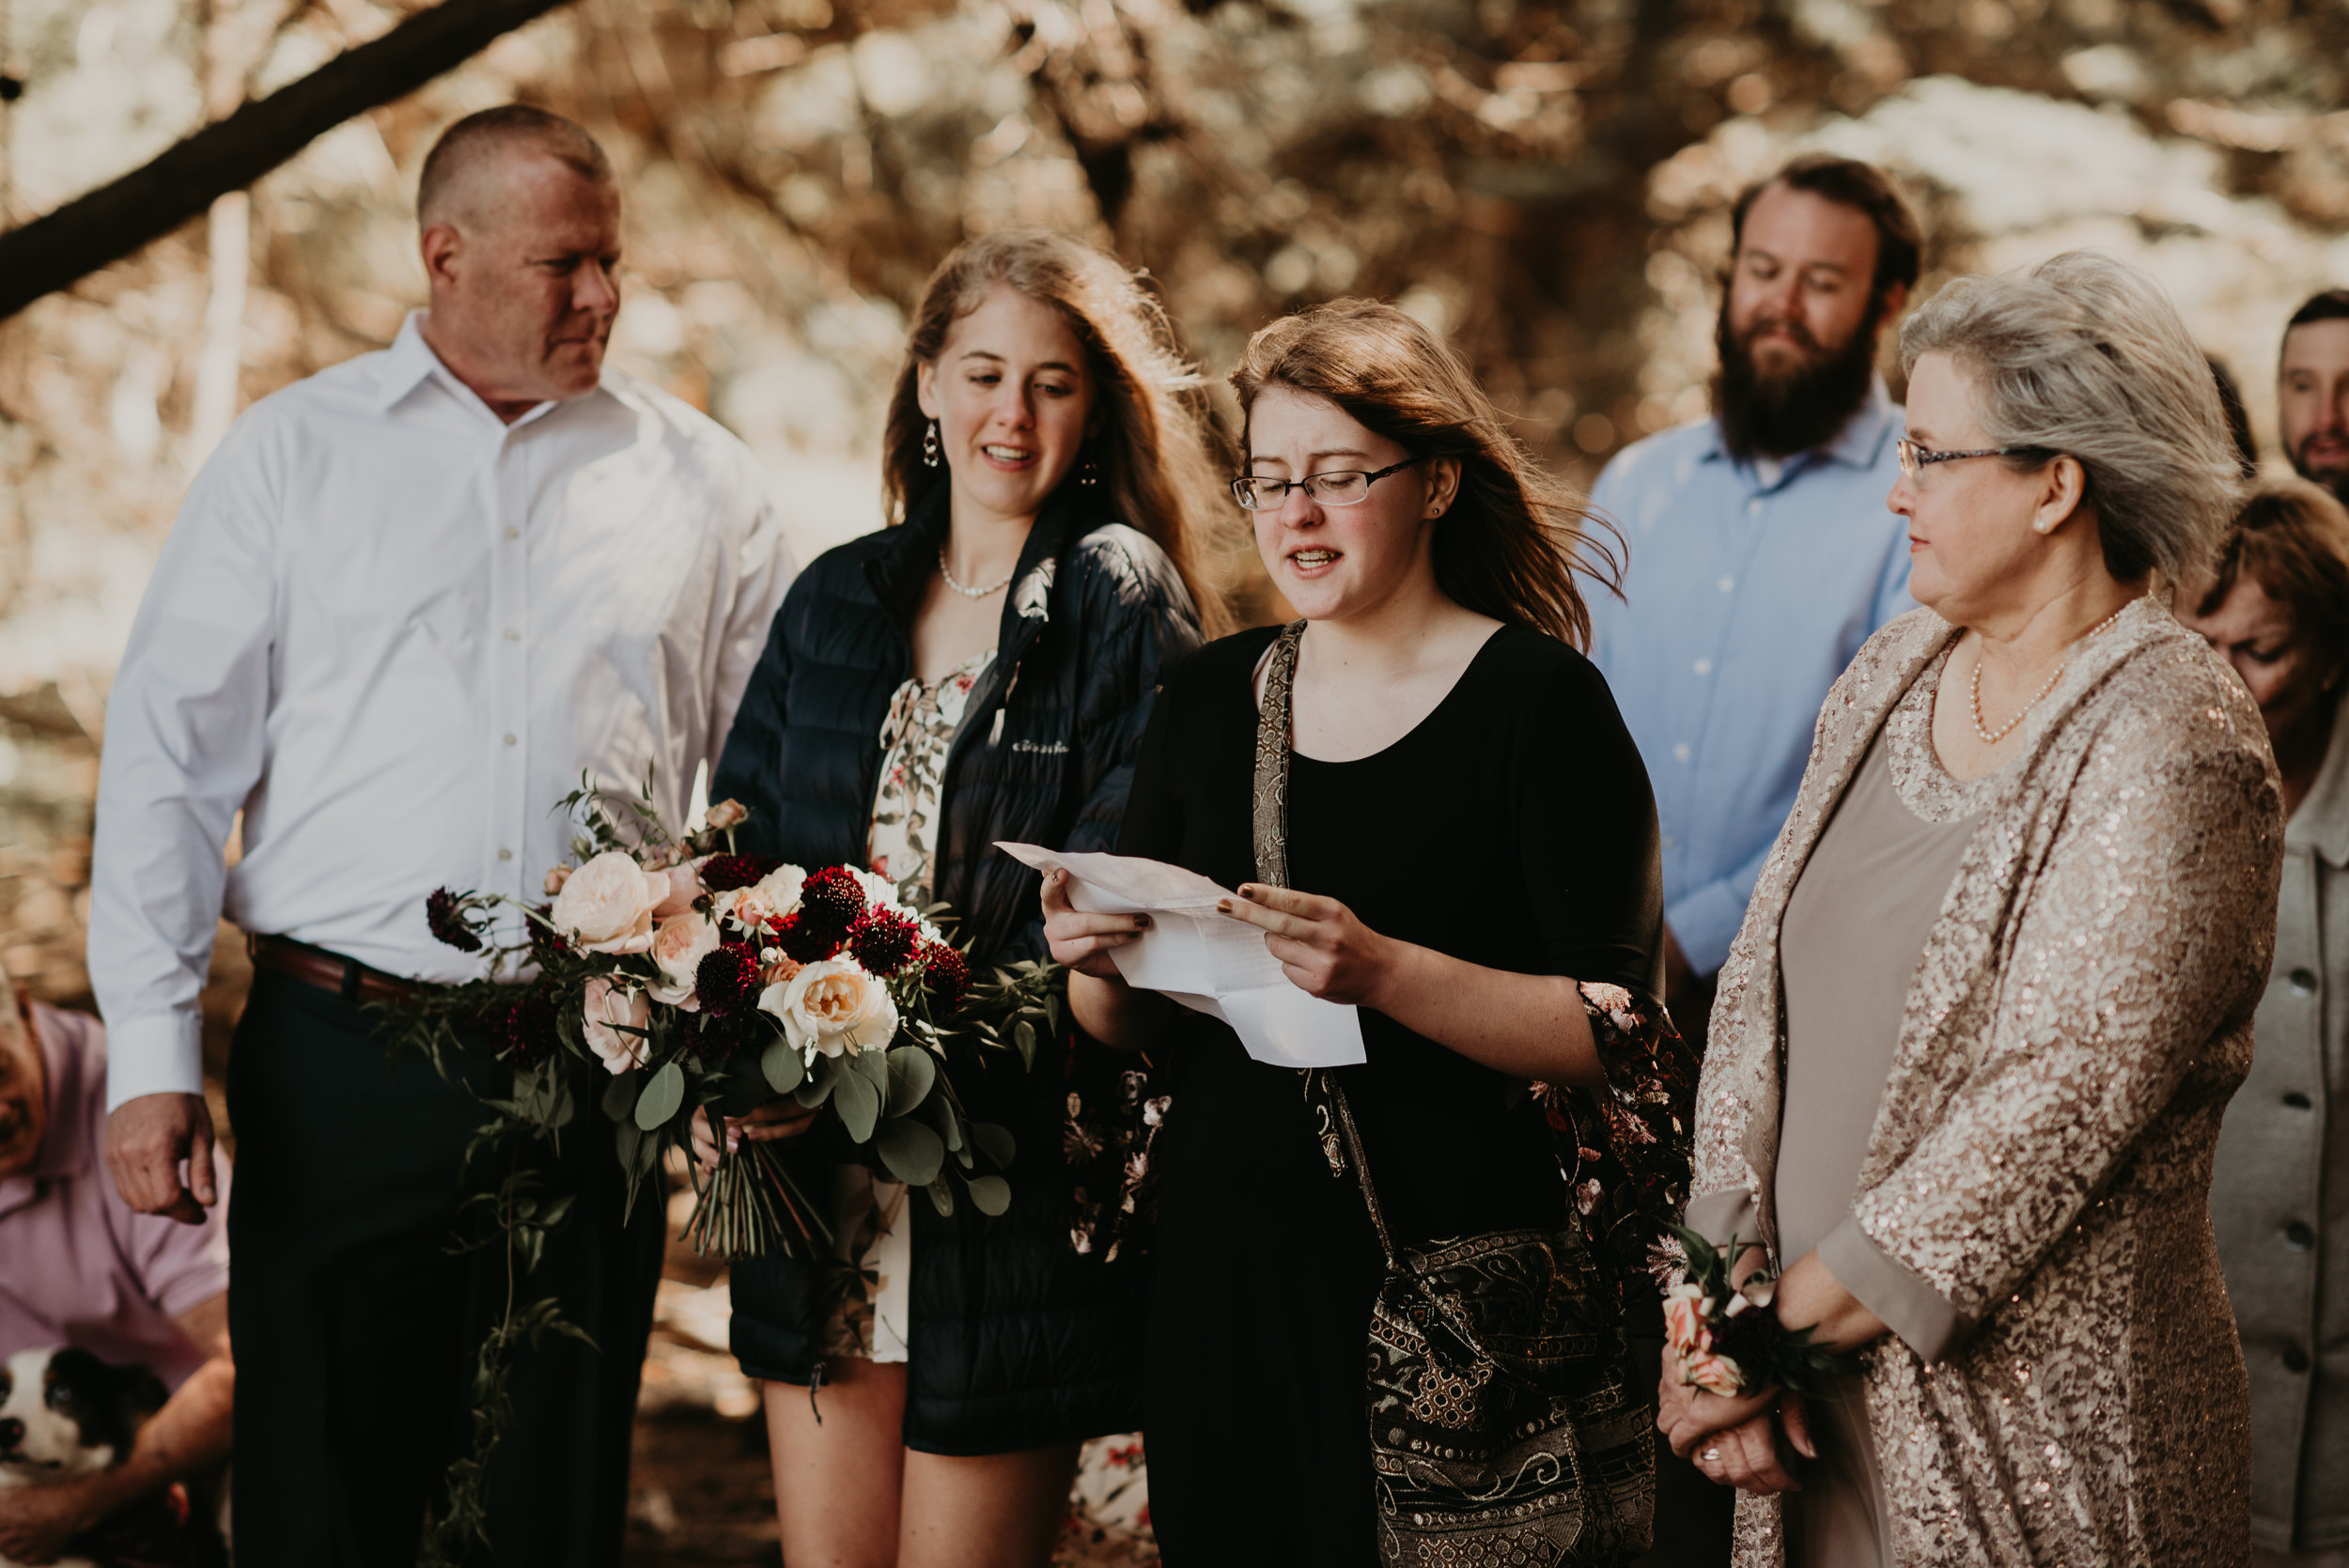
(65, 1414)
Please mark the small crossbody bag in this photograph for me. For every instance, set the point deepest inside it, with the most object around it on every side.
(1501, 1429)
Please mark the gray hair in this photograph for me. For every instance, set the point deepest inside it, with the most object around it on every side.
(2084, 355)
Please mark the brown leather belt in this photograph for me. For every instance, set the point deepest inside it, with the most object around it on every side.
(328, 972)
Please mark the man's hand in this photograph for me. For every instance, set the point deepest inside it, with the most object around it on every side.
(147, 1139)
(37, 1523)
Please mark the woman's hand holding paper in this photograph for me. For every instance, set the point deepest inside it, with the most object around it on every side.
(1083, 942)
(1324, 949)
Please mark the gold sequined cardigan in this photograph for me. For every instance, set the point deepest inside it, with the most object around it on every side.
(2039, 1169)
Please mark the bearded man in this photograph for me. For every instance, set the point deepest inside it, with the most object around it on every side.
(406, 604)
(1761, 555)
(2312, 391)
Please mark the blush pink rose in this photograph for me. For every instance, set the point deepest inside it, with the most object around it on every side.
(679, 944)
(1684, 1311)
(678, 886)
(1715, 1374)
(610, 1012)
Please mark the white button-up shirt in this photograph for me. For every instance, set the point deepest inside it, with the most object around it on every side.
(392, 630)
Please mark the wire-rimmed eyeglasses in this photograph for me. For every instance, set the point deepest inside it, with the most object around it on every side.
(1340, 486)
(1916, 458)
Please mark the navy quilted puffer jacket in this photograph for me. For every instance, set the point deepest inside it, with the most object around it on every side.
(1014, 1341)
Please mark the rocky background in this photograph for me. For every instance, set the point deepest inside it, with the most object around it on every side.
(1546, 180)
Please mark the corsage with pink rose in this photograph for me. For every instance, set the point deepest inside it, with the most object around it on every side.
(1727, 1339)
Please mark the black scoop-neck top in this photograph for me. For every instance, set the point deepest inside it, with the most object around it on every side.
(1511, 827)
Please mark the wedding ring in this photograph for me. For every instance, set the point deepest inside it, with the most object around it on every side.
(1712, 1454)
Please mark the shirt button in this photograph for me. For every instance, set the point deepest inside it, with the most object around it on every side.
(511, 742)
(1753, 507)
(2295, 1358)
(1704, 666)
(513, 634)
(513, 532)
(506, 854)
(2298, 1236)
(1726, 584)
(1680, 753)
(2304, 983)
(2296, 1100)
(1671, 842)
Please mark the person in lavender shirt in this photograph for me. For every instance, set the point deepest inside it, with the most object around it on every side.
(1762, 556)
(79, 1268)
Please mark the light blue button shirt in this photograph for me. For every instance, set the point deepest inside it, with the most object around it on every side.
(1748, 592)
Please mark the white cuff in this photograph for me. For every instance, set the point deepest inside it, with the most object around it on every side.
(160, 1055)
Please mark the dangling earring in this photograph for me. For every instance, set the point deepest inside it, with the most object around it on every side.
(929, 445)
(1090, 475)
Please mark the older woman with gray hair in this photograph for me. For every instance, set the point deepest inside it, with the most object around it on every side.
(1993, 991)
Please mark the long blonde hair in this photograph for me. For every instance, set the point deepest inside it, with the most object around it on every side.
(1515, 541)
(1153, 454)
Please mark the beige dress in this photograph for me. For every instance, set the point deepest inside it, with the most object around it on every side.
(1856, 922)
(2062, 1383)
(872, 1227)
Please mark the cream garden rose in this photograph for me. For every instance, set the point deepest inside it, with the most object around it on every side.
(833, 1007)
(608, 1008)
(765, 901)
(606, 905)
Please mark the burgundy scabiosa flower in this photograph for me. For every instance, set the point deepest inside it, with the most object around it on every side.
(806, 941)
(948, 974)
(546, 943)
(524, 1031)
(724, 873)
(829, 901)
(446, 913)
(883, 941)
(726, 979)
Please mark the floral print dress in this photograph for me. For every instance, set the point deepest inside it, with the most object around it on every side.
(876, 1235)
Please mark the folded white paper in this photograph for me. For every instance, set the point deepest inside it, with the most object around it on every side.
(1203, 958)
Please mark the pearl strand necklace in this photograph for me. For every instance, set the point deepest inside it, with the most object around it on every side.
(944, 571)
(1991, 738)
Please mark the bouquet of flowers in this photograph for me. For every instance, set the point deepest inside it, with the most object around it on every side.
(1727, 1339)
(703, 980)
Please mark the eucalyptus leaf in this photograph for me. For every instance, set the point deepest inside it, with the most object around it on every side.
(995, 1142)
(1024, 1035)
(647, 1156)
(565, 1109)
(628, 1135)
(990, 1194)
(817, 1089)
(941, 1111)
(619, 1095)
(873, 1066)
(913, 1152)
(662, 1097)
(783, 1067)
(942, 1197)
(913, 1072)
(859, 1104)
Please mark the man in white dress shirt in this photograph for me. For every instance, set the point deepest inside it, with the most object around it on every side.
(405, 604)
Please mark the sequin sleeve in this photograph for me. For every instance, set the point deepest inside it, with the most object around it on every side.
(2146, 928)
(1632, 1135)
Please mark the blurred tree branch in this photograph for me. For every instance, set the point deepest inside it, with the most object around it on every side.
(58, 250)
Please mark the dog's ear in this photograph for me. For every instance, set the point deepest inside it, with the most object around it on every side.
(142, 1392)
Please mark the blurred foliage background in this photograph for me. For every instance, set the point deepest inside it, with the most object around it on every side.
(1546, 181)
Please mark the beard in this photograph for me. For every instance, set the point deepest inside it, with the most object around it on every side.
(1765, 414)
(2333, 475)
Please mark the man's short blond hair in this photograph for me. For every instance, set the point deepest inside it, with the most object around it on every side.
(482, 138)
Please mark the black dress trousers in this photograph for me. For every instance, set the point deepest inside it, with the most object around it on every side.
(355, 1323)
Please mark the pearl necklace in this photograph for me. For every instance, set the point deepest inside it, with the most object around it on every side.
(1991, 738)
(944, 571)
